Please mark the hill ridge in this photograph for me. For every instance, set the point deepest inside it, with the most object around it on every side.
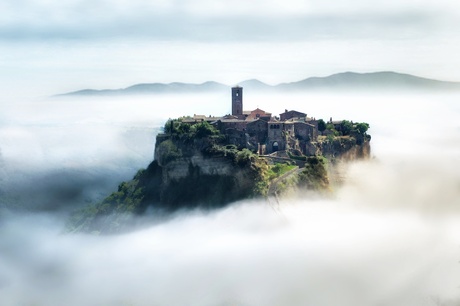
(347, 80)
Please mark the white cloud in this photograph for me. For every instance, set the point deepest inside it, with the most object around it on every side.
(390, 234)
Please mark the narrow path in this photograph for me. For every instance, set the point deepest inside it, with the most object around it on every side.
(274, 184)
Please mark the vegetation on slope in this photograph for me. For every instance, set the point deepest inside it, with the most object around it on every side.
(314, 175)
(148, 189)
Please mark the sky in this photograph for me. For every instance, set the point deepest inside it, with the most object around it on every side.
(49, 47)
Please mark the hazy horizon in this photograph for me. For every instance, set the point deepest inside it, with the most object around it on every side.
(81, 44)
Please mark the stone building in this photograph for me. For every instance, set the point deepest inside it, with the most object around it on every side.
(258, 130)
(291, 114)
(276, 141)
(236, 137)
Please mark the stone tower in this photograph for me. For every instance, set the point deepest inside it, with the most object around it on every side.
(237, 101)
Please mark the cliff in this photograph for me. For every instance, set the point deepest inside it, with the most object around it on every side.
(382, 80)
(188, 172)
(197, 167)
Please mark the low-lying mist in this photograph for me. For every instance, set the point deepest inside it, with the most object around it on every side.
(388, 236)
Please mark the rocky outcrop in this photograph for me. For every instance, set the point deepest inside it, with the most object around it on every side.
(183, 175)
(340, 151)
(200, 169)
(345, 147)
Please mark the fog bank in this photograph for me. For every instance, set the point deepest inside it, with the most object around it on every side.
(387, 237)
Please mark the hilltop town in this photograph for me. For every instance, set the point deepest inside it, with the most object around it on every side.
(209, 162)
(290, 133)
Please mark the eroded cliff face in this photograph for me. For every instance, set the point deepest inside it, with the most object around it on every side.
(205, 171)
(193, 174)
(357, 152)
(344, 148)
(184, 166)
(340, 153)
(183, 175)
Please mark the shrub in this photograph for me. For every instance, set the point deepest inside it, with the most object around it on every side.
(202, 129)
(362, 127)
(243, 157)
(314, 175)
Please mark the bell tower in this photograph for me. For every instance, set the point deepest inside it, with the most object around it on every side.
(237, 101)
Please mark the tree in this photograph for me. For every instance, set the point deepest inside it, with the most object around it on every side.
(169, 126)
(321, 125)
(362, 127)
(346, 127)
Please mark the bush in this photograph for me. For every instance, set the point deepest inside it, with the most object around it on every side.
(314, 175)
(202, 129)
(362, 127)
(185, 131)
(243, 157)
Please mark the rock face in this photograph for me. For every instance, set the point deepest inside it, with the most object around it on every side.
(195, 175)
(183, 167)
(183, 176)
(345, 148)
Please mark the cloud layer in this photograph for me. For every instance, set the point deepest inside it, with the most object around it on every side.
(348, 251)
(388, 236)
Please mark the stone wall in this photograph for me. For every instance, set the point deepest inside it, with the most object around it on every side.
(181, 167)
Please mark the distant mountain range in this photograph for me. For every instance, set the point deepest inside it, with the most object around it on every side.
(385, 80)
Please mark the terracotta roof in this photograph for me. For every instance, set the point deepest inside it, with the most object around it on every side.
(293, 111)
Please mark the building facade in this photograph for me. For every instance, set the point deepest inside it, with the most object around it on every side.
(258, 130)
